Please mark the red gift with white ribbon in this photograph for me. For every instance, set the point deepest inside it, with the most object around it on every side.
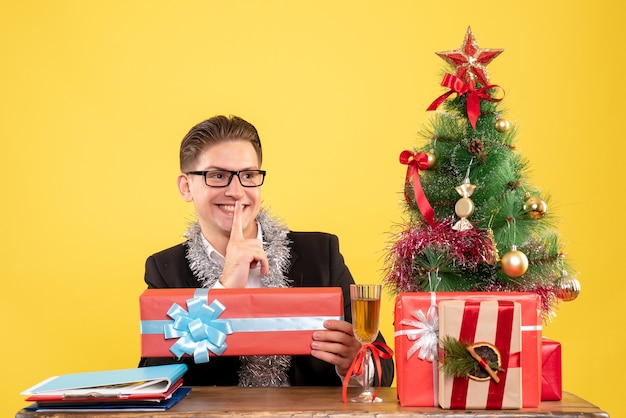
(416, 339)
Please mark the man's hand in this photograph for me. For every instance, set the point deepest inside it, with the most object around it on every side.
(337, 345)
(242, 254)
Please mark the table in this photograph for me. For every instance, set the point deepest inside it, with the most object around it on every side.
(322, 402)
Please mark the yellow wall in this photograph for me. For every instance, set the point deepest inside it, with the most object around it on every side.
(95, 97)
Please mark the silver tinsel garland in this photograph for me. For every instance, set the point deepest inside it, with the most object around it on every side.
(255, 370)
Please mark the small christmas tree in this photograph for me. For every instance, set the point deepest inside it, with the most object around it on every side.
(474, 221)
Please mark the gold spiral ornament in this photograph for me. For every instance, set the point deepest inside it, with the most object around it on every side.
(568, 288)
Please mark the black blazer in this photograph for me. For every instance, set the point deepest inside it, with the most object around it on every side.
(315, 262)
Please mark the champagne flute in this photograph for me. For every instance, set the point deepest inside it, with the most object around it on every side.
(365, 300)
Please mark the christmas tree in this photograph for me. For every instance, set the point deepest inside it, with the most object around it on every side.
(474, 222)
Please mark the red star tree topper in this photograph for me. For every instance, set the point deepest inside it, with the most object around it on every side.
(470, 61)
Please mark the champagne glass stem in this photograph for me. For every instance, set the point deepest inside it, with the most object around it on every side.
(366, 372)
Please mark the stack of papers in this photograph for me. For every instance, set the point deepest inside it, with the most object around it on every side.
(154, 388)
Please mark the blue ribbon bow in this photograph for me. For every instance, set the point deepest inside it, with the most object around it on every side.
(198, 330)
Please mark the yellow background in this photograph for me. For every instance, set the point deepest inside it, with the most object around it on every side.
(96, 96)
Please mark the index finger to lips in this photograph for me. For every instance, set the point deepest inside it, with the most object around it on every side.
(236, 231)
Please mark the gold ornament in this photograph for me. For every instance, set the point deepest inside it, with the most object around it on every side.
(431, 159)
(568, 287)
(535, 207)
(502, 125)
(514, 263)
(464, 206)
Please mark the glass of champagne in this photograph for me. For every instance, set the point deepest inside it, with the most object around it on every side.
(365, 300)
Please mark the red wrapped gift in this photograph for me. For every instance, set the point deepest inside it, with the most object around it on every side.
(231, 322)
(498, 324)
(416, 346)
(551, 374)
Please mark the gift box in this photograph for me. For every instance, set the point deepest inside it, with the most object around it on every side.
(232, 322)
(493, 329)
(416, 341)
(551, 374)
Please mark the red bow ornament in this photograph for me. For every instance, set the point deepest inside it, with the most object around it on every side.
(416, 162)
(458, 86)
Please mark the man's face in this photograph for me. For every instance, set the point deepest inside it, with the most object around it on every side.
(215, 205)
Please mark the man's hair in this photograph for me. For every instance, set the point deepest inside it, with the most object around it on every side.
(214, 131)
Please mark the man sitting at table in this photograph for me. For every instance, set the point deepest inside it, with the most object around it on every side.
(235, 244)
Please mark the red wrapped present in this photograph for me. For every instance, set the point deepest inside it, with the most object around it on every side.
(491, 331)
(231, 322)
(416, 341)
(551, 374)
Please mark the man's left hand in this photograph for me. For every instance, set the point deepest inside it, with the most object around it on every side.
(336, 345)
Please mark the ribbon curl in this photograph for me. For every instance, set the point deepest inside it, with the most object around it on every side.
(458, 86)
(426, 334)
(198, 330)
(416, 162)
(379, 351)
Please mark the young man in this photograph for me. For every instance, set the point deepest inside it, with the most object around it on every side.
(235, 243)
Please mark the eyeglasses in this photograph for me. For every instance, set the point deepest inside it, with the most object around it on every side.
(222, 178)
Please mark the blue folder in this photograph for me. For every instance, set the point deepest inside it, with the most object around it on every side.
(110, 383)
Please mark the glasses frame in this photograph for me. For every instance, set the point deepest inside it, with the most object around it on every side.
(230, 178)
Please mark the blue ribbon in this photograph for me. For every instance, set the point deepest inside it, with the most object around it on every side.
(198, 328)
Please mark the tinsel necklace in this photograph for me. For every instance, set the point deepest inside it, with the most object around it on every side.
(254, 370)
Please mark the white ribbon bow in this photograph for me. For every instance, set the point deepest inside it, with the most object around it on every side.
(426, 334)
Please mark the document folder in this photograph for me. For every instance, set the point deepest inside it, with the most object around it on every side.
(122, 383)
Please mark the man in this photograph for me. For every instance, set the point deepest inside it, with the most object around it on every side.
(235, 244)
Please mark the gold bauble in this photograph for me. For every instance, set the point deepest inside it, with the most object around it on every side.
(568, 288)
(502, 125)
(464, 207)
(431, 159)
(535, 207)
(514, 263)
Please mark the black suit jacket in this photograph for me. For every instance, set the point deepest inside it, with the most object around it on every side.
(315, 262)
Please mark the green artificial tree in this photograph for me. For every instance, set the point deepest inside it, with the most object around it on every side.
(474, 222)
